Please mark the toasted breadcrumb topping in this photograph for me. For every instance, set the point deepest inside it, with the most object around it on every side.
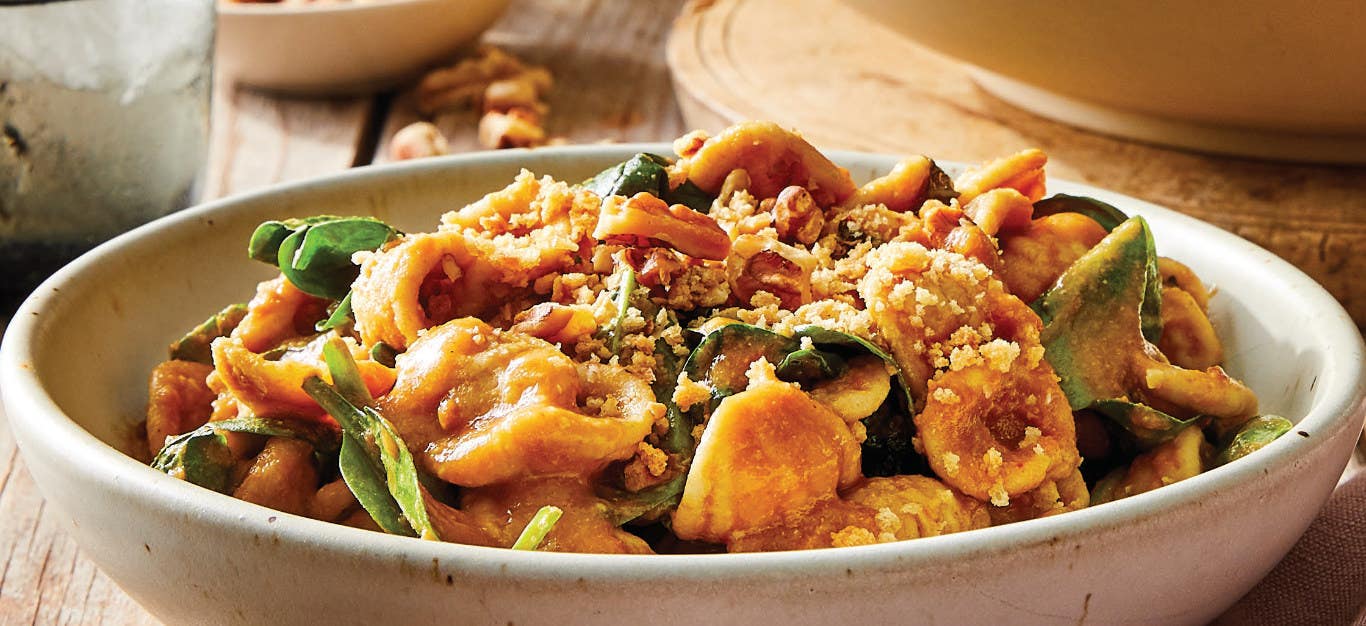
(742, 216)
(645, 468)
(945, 395)
(689, 393)
(888, 521)
(831, 315)
(993, 461)
(1000, 354)
(852, 536)
(762, 371)
(950, 461)
(999, 496)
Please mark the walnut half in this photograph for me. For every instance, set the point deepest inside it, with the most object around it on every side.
(757, 263)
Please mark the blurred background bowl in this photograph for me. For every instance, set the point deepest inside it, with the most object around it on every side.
(347, 47)
(1257, 78)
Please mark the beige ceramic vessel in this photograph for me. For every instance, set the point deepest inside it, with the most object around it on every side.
(75, 360)
(1251, 77)
(344, 47)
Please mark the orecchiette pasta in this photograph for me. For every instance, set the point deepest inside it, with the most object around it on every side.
(738, 350)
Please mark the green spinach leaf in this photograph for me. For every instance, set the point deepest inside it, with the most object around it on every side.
(642, 173)
(1149, 426)
(1098, 317)
(939, 186)
(646, 173)
(340, 316)
(723, 357)
(315, 253)
(678, 442)
(888, 449)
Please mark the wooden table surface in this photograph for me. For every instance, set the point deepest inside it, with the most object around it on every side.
(612, 84)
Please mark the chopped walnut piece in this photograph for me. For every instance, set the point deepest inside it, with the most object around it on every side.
(757, 263)
(515, 129)
(689, 144)
(505, 94)
(796, 216)
(944, 226)
(509, 92)
(418, 140)
(655, 267)
(460, 85)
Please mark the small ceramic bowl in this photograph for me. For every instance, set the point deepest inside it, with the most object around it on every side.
(344, 47)
(75, 361)
(1258, 78)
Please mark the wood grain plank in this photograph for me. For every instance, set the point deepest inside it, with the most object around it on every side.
(260, 139)
(607, 57)
(44, 579)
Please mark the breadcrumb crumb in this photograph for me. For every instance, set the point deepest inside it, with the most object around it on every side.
(950, 461)
(689, 392)
(944, 395)
(993, 461)
(998, 494)
(852, 536)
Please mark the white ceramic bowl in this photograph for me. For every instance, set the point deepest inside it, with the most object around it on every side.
(1260, 78)
(349, 47)
(74, 364)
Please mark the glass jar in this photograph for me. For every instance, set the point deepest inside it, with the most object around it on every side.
(104, 124)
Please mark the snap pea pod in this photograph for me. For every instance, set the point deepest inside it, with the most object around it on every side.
(374, 461)
(537, 528)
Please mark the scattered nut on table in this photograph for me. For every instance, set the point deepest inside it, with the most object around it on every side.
(417, 140)
(517, 128)
(506, 90)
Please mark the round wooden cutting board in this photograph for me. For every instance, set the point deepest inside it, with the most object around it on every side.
(845, 81)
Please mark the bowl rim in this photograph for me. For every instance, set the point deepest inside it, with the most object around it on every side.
(24, 394)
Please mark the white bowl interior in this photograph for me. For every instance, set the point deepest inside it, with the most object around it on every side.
(86, 341)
